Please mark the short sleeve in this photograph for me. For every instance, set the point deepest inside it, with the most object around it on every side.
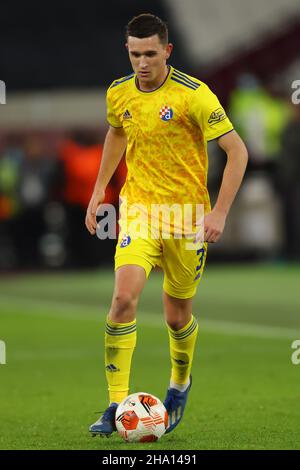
(207, 112)
(111, 115)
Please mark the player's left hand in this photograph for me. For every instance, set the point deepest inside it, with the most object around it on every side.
(214, 223)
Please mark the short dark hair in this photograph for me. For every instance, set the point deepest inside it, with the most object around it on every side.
(146, 25)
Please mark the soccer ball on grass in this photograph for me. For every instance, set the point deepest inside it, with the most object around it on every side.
(141, 417)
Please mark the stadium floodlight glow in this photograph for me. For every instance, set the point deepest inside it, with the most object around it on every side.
(2, 352)
(2, 92)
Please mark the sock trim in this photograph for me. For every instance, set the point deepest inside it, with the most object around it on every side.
(184, 332)
(119, 329)
(114, 324)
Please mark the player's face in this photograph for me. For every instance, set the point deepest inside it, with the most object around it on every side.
(148, 58)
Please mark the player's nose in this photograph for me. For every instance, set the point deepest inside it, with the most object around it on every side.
(143, 64)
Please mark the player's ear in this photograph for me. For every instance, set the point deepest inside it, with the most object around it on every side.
(126, 45)
(169, 49)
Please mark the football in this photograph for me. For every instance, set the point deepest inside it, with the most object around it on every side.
(141, 417)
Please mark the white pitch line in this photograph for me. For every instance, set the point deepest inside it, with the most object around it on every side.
(250, 329)
(75, 311)
(234, 328)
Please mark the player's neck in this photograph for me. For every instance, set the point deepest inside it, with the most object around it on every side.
(151, 86)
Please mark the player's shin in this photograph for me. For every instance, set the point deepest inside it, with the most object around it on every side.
(120, 341)
(182, 346)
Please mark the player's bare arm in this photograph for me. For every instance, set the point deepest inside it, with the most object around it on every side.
(237, 157)
(113, 150)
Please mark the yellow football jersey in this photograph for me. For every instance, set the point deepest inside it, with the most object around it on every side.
(167, 132)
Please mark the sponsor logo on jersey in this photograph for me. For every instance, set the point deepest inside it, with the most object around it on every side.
(166, 113)
(217, 116)
(125, 241)
(127, 115)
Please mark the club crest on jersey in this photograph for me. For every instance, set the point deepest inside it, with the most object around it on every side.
(166, 113)
(125, 241)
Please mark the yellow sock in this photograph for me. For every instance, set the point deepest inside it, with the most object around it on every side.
(120, 341)
(182, 345)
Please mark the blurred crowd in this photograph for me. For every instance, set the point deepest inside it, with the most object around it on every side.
(269, 123)
(46, 181)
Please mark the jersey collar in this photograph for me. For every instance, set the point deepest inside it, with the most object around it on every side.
(170, 70)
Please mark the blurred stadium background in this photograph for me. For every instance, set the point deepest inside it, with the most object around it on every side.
(56, 61)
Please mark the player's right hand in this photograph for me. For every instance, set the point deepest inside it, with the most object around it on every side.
(90, 218)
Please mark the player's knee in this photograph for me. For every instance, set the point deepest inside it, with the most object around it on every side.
(123, 307)
(177, 321)
(176, 325)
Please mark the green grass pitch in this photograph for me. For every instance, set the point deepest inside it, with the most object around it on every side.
(245, 392)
